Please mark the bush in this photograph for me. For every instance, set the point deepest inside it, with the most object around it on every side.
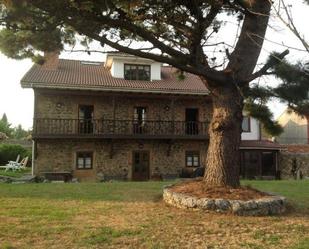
(9, 152)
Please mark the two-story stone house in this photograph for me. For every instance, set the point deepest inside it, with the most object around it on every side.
(128, 118)
(296, 128)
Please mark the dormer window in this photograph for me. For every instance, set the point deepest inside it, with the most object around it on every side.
(136, 72)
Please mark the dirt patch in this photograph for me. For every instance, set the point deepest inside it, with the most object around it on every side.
(198, 189)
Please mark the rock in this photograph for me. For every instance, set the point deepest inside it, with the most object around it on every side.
(207, 204)
(100, 177)
(222, 204)
(263, 207)
(236, 207)
(249, 205)
(190, 202)
(74, 180)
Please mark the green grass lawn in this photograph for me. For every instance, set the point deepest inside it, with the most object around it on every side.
(16, 173)
(132, 215)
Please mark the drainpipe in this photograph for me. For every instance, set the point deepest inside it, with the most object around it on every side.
(307, 129)
(33, 158)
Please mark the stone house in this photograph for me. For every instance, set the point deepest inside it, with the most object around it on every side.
(128, 118)
(259, 156)
(296, 128)
(294, 161)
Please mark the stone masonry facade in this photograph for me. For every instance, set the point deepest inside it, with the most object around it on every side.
(288, 159)
(58, 104)
(112, 158)
(60, 155)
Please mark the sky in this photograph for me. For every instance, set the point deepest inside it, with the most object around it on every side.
(18, 103)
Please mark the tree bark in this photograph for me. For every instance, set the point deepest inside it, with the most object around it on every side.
(223, 157)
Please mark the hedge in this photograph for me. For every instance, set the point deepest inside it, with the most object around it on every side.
(9, 152)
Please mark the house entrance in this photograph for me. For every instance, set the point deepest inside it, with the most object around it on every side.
(191, 121)
(140, 169)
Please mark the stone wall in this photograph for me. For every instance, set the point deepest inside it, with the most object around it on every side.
(286, 163)
(166, 159)
(113, 159)
(63, 105)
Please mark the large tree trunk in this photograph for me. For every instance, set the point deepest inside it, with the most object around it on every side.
(223, 157)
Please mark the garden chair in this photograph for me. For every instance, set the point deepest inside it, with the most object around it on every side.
(13, 164)
(10, 163)
(23, 163)
(16, 161)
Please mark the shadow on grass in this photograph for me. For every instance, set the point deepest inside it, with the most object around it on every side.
(110, 191)
(295, 191)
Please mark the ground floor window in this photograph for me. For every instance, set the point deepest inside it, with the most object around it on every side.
(192, 159)
(84, 160)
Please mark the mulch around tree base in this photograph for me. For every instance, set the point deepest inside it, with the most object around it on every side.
(198, 189)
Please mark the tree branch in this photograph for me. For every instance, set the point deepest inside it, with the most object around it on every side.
(263, 70)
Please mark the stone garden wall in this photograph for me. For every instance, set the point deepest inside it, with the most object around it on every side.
(270, 205)
(287, 160)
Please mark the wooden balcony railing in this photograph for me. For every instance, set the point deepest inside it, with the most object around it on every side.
(102, 128)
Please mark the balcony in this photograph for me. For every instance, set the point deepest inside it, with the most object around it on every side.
(119, 129)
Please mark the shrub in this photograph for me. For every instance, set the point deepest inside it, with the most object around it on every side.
(9, 152)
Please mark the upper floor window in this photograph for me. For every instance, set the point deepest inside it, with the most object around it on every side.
(246, 124)
(136, 72)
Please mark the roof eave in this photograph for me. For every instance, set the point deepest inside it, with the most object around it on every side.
(110, 89)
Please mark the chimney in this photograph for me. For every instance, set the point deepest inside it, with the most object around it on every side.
(51, 60)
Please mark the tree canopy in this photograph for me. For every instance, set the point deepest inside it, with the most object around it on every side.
(8, 131)
(177, 32)
(294, 90)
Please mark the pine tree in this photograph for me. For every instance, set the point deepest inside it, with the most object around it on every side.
(5, 126)
(293, 89)
(181, 31)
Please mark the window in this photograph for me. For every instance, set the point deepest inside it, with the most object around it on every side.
(246, 124)
(192, 159)
(136, 72)
(84, 160)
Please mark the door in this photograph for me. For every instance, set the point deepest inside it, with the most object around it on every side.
(268, 164)
(192, 121)
(85, 119)
(251, 164)
(139, 125)
(140, 169)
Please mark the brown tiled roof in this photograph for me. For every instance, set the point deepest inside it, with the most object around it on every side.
(298, 148)
(261, 144)
(72, 74)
